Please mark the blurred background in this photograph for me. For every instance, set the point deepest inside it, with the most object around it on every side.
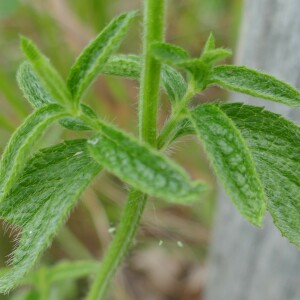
(168, 260)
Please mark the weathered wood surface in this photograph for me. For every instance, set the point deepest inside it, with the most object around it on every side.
(247, 263)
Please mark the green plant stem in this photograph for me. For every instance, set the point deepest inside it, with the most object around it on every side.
(120, 244)
(149, 95)
(178, 114)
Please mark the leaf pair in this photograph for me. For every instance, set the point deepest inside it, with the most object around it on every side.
(255, 155)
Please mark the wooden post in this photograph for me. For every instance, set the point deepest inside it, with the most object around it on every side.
(248, 263)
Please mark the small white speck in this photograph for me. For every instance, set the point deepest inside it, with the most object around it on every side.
(93, 141)
(160, 243)
(111, 230)
(78, 153)
(179, 244)
(30, 232)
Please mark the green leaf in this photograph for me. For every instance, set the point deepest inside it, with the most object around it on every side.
(129, 66)
(66, 270)
(142, 167)
(216, 55)
(274, 143)
(77, 124)
(168, 53)
(94, 57)
(50, 78)
(40, 202)
(231, 160)
(251, 82)
(32, 87)
(210, 44)
(183, 128)
(174, 84)
(21, 143)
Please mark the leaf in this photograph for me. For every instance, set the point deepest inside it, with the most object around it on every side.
(173, 83)
(21, 143)
(32, 87)
(254, 83)
(210, 44)
(274, 143)
(77, 124)
(50, 78)
(40, 202)
(142, 167)
(213, 56)
(231, 160)
(130, 66)
(168, 53)
(66, 270)
(94, 57)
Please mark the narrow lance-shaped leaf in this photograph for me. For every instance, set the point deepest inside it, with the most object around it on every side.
(32, 86)
(254, 83)
(231, 160)
(129, 66)
(22, 141)
(94, 57)
(142, 167)
(50, 78)
(40, 202)
(274, 143)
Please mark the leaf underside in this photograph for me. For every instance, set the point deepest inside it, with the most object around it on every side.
(40, 202)
(254, 83)
(274, 143)
(143, 168)
(231, 160)
(21, 143)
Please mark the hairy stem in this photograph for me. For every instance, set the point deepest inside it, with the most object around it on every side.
(149, 95)
(120, 244)
(153, 32)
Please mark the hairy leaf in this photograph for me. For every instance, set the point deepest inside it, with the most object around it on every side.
(142, 167)
(274, 143)
(50, 78)
(169, 53)
(128, 66)
(94, 57)
(210, 44)
(32, 87)
(213, 56)
(20, 145)
(40, 202)
(248, 81)
(231, 160)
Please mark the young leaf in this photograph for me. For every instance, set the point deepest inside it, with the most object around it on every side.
(142, 167)
(50, 78)
(20, 145)
(231, 160)
(213, 56)
(274, 143)
(94, 57)
(40, 202)
(210, 44)
(251, 82)
(32, 87)
(168, 53)
(130, 66)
